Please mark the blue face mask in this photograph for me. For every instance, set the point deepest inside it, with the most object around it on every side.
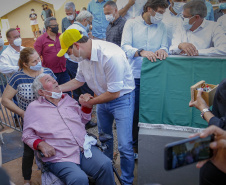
(222, 6)
(38, 67)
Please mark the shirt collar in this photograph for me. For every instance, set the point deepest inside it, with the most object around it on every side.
(78, 23)
(94, 56)
(116, 21)
(13, 50)
(47, 36)
(99, 2)
(201, 26)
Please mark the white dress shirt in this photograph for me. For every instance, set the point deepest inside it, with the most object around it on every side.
(134, 10)
(222, 22)
(208, 38)
(171, 21)
(107, 70)
(9, 60)
(137, 34)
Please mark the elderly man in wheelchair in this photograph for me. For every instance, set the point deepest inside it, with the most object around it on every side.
(55, 124)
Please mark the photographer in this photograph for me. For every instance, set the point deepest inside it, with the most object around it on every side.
(213, 171)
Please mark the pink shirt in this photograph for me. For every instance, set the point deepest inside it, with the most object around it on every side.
(48, 49)
(62, 127)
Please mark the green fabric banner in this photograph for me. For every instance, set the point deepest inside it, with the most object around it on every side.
(165, 88)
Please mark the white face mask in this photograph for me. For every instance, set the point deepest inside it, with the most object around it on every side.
(70, 17)
(157, 18)
(37, 67)
(178, 7)
(1, 42)
(79, 59)
(110, 18)
(55, 95)
(32, 12)
(17, 42)
(186, 24)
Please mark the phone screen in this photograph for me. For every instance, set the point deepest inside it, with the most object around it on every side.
(187, 151)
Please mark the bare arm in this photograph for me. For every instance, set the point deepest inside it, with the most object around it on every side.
(71, 85)
(7, 101)
(124, 10)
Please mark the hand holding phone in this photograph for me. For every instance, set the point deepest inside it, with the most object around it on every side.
(187, 151)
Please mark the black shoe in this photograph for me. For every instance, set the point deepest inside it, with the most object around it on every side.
(90, 124)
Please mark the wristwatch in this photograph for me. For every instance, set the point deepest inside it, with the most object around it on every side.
(204, 111)
(139, 51)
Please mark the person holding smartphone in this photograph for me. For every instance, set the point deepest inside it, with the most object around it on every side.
(213, 171)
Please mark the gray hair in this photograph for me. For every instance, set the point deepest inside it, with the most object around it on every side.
(196, 8)
(37, 85)
(69, 5)
(84, 15)
(47, 21)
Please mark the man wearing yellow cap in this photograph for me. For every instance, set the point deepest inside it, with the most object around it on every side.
(104, 67)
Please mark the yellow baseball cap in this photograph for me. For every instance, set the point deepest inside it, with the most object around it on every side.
(67, 39)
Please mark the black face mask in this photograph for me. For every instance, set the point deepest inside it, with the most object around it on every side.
(55, 29)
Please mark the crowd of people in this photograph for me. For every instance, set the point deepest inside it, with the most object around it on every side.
(97, 60)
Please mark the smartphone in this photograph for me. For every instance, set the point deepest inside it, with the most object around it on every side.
(187, 151)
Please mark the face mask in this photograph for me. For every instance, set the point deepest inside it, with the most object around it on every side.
(178, 7)
(70, 17)
(110, 18)
(55, 29)
(186, 24)
(222, 6)
(157, 18)
(1, 42)
(17, 42)
(73, 58)
(79, 59)
(32, 12)
(37, 67)
(55, 95)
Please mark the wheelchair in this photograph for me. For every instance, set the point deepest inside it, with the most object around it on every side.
(49, 178)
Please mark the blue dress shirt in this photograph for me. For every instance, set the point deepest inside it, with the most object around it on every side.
(137, 34)
(99, 21)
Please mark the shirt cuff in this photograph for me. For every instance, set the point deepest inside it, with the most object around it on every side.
(86, 110)
(36, 142)
(115, 86)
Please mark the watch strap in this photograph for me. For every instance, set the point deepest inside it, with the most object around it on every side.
(139, 51)
(204, 111)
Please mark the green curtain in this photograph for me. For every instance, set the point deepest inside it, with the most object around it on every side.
(165, 88)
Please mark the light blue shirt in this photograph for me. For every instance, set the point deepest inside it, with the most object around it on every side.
(78, 26)
(99, 22)
(134, 11)
(137, 34)
(210, 13)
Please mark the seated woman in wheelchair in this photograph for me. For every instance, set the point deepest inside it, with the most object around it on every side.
(55, 124)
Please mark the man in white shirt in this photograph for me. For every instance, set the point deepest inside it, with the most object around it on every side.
(104, 67)
(10, 56)
(172, 17)
(197, 36)
(130, 8)
(144, 36)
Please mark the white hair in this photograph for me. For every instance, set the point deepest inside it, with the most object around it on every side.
(69, 5)
(84, 15)
(37, 85)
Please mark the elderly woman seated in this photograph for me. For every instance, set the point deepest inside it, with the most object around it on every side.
(55, 124)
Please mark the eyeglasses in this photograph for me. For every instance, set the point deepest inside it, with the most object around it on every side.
(55, 25)
(182, 17)
(90, 22)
